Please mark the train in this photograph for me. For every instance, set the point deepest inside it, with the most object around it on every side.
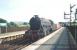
(39, 27)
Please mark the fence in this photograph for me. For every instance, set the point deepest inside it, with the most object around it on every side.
(13, 29)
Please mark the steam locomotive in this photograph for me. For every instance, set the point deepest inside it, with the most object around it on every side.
(39, 27)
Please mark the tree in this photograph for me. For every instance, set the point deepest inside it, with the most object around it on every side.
(25, 23)
(13, 24)
(2, 21)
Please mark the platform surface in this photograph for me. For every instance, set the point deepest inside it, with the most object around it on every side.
(11, 34)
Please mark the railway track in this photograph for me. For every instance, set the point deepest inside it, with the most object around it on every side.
(15, 42)
(15, 45)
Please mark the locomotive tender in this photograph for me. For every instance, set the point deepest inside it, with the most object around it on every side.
(39, 27)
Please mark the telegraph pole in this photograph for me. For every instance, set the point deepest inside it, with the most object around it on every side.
(75, 25)
(70, 14)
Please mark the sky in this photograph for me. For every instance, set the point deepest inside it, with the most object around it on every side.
(23, 10)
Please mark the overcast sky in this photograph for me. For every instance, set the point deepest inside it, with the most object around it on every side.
(23, 10)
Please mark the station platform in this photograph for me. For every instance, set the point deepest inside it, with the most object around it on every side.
(11, 34)
(58, 40)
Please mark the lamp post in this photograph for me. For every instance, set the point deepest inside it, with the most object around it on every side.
(75, 23)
